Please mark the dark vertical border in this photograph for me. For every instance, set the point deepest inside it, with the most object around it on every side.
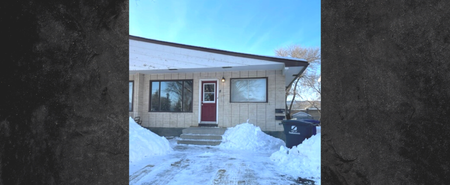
(385, 88)
(64, 81)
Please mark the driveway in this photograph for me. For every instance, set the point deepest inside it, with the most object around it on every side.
(190, 164)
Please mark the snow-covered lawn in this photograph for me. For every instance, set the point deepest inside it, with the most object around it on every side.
(144, 143)
(246, 156)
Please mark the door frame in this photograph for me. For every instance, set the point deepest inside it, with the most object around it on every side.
(200, 88)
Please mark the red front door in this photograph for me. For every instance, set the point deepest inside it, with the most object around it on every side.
(208, 101)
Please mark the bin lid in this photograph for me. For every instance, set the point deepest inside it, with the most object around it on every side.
(302, 115)
(296, 122)
(311, 120)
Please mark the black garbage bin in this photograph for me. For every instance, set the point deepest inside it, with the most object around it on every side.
(296, 131)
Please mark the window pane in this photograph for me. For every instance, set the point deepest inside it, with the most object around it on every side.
(208, 96)
(208, 92)
(256, 90)
(187, 96)
(249, 90)
(130, 94)
(209, 87)
(155, 97)
(171, 96)
(238, 90)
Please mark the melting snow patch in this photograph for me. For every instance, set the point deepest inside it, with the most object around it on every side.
(247, 136)
(144, 143)
(302, 160)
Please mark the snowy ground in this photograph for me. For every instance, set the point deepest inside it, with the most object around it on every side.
(230, 162)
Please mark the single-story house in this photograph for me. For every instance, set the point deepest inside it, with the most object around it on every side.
(178, 86)
(311, 107)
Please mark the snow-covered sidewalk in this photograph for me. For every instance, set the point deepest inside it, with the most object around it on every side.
(190, 164)
(246, 156)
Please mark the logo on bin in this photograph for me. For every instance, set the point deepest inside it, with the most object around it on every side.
(294, 130)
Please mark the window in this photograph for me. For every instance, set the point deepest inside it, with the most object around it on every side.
(130, 96)
(247, 90)
(208, 92)
(171, 96)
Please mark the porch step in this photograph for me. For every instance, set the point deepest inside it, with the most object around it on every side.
(199, 142)
(204, 130)
(207, 125)
(202, 136)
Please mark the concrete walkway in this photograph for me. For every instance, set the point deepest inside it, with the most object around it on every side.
(190, 164)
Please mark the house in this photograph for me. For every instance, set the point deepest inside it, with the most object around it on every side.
(311, 107)
(179, 86)
(314, 112)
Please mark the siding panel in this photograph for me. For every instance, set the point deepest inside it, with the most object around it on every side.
(230, 114)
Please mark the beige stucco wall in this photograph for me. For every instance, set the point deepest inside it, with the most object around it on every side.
(229, 114)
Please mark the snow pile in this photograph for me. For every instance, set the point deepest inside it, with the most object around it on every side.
(302, 160)
(246, 136)
(144, 143)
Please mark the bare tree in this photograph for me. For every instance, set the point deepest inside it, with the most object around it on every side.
(307, 85)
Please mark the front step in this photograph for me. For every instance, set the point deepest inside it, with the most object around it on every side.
(207, 125)
(199, 142)
(204, 130)
(202, 136)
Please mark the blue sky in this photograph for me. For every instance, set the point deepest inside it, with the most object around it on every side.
(245, 26)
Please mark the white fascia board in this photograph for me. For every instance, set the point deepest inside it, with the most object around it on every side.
(291, 73)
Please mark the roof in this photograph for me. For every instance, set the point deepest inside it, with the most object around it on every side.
(155, 56)
(303, 105)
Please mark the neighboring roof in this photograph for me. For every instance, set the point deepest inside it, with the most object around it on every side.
(303, 105)
(154, 56)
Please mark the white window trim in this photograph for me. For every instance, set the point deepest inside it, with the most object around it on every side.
(215, 93)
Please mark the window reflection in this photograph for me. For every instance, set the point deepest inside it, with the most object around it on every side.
(249, 90)
(171, 96)
(208, 92)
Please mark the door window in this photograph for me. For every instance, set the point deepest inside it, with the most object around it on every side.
(209, 92)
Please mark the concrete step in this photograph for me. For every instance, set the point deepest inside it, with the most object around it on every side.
(199, 142)
(204, 130)
(207, 125)
(201, 136)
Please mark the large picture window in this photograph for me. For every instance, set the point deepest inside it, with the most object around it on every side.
(171, 96)
(248, 90)
(130, 96)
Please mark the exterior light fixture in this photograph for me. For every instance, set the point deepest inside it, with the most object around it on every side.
(223, 79)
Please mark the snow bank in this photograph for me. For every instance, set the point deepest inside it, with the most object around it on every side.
(247, 136)
(302, 160)
(144, 143)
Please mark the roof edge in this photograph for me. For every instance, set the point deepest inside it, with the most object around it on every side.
(299, 74)
(287, 62)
